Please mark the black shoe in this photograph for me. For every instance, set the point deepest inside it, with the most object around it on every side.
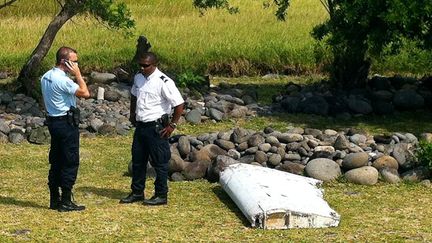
(70, 206)
(55, 204)
(132, 198)
(66, 204)
(156, 200)
(55, 199)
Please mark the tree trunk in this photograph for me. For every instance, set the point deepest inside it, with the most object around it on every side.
(25, 76)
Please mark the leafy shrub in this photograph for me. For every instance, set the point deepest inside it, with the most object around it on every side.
(190, 79)
(424, 154)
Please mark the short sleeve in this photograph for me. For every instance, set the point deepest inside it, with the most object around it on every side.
(171, 93)
(134, 86)
(68, 86)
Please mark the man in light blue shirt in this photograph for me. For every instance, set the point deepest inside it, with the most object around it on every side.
(59, 95)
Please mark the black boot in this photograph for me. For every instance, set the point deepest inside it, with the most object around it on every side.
(54, 198)
(132, 197)
(67, 204)
(156, 200)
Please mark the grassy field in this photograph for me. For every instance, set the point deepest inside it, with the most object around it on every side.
(197, 211)
(247, 43)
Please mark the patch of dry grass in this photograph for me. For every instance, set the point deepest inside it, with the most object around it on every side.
(197, 211)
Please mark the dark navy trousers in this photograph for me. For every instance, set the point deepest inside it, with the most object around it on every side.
(64, 154)
(147, 143)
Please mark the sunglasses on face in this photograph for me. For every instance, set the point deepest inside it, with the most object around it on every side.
(145, 65)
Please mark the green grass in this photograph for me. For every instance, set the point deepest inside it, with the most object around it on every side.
(247, 43)
(197, 211)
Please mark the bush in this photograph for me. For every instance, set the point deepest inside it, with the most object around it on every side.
(191, 80)
(424, 154)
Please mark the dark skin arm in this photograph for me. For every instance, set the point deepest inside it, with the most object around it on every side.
(178, 110)
(132, 116)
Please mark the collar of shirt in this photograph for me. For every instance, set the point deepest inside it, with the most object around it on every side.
(59, 71)
(154, 74)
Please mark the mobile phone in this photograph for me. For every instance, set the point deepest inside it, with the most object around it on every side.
(68, 64)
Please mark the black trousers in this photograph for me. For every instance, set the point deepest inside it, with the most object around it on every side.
(64, 154)
(147, 143)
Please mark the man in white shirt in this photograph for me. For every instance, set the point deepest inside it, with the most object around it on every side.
(154, 94)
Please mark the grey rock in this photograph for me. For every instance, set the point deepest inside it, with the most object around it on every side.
(111, 96)
(359, 105)
(16, 136)
(292, 157)
(272, 140)
(355, 160)
(290, 137)
(4, 127)
(247, 159)
(96, 124)
(408, 100)
(417, 174)
(194, 116)
(294, 168)
(239, 135)
(234, 154)
(255, 140)
(176, 163)
(107, 129)
(40, 135)
(216, 114)
(358, 139)
(225, 144)
(390, 175)
(385, 161)
(265, 147)
(3, 138)
(366, 175)
(102, 78)
(177, 176)
(251, 150)
(195, 170)
(312, 131)
(274, 159)
(341, 142)
(323, 169)
(260, 157)
(183, 146)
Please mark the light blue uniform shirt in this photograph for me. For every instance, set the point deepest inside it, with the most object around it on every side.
(58, 92)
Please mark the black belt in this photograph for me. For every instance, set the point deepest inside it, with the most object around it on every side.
(56, 118)
(146, 124)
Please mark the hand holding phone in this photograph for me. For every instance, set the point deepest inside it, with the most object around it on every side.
(69, 64)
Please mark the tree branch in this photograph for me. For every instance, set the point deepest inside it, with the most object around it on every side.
(7, 3)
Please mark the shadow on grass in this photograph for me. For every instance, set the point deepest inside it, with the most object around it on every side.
(103, 192)
(225, 199)
(20, 203)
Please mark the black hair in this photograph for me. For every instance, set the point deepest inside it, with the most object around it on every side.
(151, 56)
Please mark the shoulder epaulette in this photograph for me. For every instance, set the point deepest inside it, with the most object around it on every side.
(165, 79)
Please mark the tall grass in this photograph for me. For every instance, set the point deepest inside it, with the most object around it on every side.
(247, 43)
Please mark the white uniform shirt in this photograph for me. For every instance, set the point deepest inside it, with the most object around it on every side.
(156, 95)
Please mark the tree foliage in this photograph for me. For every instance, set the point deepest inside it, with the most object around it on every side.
(108, 12)
(358, 30)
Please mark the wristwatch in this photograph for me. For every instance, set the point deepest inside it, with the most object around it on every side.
(173, 125)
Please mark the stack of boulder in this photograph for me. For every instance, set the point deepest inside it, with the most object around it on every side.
(324, 155)
(382, 95)
(22, 117)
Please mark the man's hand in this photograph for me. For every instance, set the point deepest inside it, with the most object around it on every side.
(166, 132)
(74, 69)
